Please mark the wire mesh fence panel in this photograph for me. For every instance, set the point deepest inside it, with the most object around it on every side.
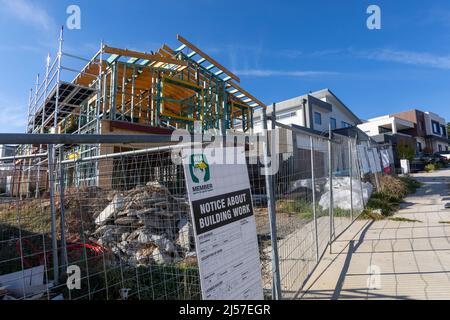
(112, 221)
(360, 192)
(320, 158)
(25, 226)
(261, 210)
(139, 217)
(342, 184)
(122, 224)
(294, 212)
(126, 222)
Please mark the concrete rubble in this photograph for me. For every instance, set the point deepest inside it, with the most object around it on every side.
(146, 225)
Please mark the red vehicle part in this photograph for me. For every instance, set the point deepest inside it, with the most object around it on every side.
(36, 257)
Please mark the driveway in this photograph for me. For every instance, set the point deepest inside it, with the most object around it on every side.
(390, 259)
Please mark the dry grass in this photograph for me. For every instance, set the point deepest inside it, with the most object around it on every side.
(394, 189)
(399, 187)
(393, 186)
(34, 215)
(401, 219)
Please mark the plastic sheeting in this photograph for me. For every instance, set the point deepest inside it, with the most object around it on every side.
(341, 194)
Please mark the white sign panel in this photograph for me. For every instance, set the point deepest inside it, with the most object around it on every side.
(224, 226)
(385, 158)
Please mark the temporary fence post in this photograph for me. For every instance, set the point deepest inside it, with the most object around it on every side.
(350, 160)
(61, 200)
(330, 182)
(51, 176)
(276, 281)
(313, 188)
(377, 182)
(360, 172)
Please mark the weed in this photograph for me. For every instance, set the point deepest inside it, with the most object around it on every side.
(384, 202)
(388, 201)
(369, 214)
(401, 219)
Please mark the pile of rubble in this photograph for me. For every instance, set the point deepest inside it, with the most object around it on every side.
(146, 225)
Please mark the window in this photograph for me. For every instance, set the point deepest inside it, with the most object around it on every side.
(446, 148)
(317, 118)
(384, 130)
(345, 124)
(333, 123)
(436, 127)
(443, 131)
(419, 147)
(286, 115)
(440, 148)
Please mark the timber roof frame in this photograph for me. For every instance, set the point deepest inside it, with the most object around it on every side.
(173, 60)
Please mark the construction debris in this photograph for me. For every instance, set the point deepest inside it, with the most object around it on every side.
(343, 190)
(26, 284)
(146, 225)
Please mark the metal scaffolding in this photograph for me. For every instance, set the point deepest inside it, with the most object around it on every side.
(130, 92)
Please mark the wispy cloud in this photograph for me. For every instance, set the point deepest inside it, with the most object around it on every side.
(289, 53)
(13, 115)
(260, 73)
(27, 12)
(27, 48)
(424, 59)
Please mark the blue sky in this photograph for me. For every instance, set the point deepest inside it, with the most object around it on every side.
(280, 49)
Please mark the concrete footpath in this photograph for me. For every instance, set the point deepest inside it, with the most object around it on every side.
(390, 259)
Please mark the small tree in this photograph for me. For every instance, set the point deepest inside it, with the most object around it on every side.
(405, 151)
(448, 129)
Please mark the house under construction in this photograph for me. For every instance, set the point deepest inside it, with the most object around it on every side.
(121, 91)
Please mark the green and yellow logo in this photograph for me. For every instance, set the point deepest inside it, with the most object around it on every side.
(199, 168)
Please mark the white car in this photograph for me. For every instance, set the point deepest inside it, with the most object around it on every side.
(445, 154)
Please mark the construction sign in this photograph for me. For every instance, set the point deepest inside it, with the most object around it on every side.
(224, 226)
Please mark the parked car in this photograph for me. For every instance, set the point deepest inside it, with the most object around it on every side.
(445, 154)
(423, 159)
(441, 158)
(418, 164)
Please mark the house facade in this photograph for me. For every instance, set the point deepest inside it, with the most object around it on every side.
(426, 132)
(6, 168)
(315, 111)
(7, 150)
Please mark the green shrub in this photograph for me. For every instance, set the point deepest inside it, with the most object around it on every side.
(386, 203)
(405, 151)
(430, 167)
(386, 197)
